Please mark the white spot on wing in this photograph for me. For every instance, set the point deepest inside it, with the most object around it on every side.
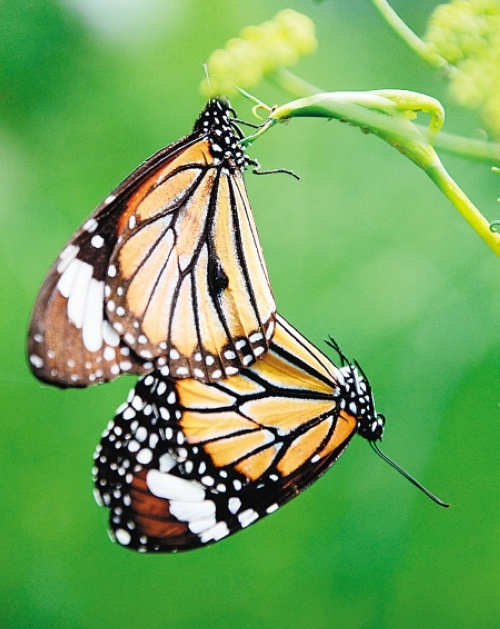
(128, 413)
(270, 331)
(97, 498)
(97, 241)
(92, 320)
(109, 353)
(217, 532)
(234, 504)
(90, 226)
(36, 361)
(198, 526)
(167, 462)
(68, 275)
(66, 256)
(192, 511)
(133, 446)
(144, 456)
(247, 517)
(78, 294)
(173, 488)
(122, 537)
(141, 433)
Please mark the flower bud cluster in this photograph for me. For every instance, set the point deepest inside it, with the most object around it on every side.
(467, 34)
(258, 52)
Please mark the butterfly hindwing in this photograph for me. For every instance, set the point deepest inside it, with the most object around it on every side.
(70, 342)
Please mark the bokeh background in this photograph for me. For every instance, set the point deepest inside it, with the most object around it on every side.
(364, 247)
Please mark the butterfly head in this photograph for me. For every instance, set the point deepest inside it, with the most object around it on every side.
(357, 398)
(224, 135)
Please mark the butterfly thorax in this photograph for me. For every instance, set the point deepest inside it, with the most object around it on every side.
(355, 396)
(216, 121)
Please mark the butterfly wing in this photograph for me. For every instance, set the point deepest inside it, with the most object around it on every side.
(187, 283)
(70, 340)
(168, 269)
(185, 463)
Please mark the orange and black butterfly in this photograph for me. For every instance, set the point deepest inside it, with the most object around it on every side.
(185, 463)
(168, 272)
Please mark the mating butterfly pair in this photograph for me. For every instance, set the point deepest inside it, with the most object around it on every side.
(166, 278)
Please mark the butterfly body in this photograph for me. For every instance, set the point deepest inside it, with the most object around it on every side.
(168, 271)
(185, 463)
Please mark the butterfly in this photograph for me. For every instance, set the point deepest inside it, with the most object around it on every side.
(185, 464)
(168, 271)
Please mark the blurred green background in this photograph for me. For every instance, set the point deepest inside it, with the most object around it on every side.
(364, 247)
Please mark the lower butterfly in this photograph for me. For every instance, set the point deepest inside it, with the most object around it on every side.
(185, 464)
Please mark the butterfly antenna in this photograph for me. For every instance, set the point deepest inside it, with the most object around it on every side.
(334, 345)
(246, 123)
(359, 368)
(257, 171)
(412, 480)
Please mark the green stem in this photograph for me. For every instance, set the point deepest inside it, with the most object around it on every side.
(480, 150)
(467, 148)
(411, 39)
(293, 84)
(387, 113)
(437, 172)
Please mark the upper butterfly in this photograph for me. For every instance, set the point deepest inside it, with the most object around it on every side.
(168, 271)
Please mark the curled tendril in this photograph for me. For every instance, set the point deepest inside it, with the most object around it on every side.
(495, 226)
(256, 108)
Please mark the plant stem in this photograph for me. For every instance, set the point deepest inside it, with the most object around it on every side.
(468, 148)
(411, 39)
(437, 172)
(293, 84)
(480, 150)
(387, 113)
